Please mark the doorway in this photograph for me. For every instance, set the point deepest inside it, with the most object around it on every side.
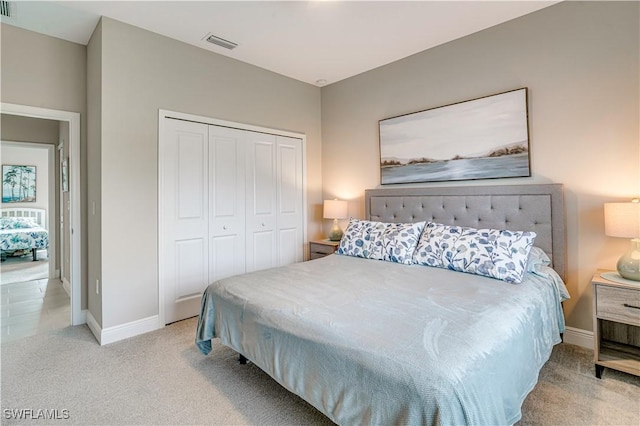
(39, 158)
(78, 316)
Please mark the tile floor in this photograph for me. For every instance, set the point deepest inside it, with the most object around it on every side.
(32, 307)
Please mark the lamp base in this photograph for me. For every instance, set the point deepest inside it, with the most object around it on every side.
(336, 233)
(629, 263)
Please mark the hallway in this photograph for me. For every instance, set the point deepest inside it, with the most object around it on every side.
(32, 307)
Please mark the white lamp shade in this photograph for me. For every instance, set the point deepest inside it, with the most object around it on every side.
(622, 219)
(335, 209)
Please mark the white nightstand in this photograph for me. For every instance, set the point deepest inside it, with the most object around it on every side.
(616, 325)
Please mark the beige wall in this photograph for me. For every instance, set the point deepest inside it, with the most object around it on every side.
(47, 72)
(580, 63)
(27, 129)
(143, 72)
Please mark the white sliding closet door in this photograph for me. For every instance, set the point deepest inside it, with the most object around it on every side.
(231, 202)
(184, 185)
(261, 201)
(289, 200)
(226, 202)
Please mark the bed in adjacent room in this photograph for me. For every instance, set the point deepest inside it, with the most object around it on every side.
(373, 335)
(23, 230)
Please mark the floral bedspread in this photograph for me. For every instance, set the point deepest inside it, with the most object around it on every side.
(18, 233)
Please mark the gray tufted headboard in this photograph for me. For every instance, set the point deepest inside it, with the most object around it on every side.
(538, 208)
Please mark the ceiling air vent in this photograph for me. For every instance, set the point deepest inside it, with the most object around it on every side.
(6, 9)
(220, 41)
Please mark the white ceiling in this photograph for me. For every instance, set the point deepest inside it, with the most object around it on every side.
(304, 40)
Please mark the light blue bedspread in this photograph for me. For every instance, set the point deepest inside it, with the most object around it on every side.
(374, 342)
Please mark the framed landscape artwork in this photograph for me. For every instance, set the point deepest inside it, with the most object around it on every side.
(18, 184)
(483, 138)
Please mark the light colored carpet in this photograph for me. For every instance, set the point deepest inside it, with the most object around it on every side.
(19, 269)
(160, 378)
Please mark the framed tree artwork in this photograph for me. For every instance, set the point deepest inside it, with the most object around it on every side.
(18, 183)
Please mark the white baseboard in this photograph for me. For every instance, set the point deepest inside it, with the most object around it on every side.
(83, 317)
(123, 331)
(94, 327)
(67, 286)
(134, 328)
(578, 337)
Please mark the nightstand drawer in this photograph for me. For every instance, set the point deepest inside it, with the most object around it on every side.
(618, 304)
(322, 248)
(318, 249)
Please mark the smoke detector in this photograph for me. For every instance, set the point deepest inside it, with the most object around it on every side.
(219, 41)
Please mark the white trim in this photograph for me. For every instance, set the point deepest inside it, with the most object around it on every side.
(93, 325)
(162, 115)
(75, 221)
(104, 336)
(67, 286)
(160, 253)
(83, 316)
(131, 329)
(578, 337)
(51, 216)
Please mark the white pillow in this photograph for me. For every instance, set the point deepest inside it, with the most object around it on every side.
(393, 242)
(494, 253)
(537, 256)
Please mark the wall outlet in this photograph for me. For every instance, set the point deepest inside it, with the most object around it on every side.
(98, 287)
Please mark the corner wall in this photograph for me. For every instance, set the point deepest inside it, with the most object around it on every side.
(580, 63)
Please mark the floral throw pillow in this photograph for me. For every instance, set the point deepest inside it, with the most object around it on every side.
(393, 242)
(492, 253)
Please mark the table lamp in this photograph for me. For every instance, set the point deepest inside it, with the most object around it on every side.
(623, 220)
(335, 209)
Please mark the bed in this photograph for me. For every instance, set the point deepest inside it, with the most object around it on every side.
(369, 341)
(23, 230)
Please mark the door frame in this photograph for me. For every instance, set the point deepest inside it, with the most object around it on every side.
(163, 115)
(78, 316)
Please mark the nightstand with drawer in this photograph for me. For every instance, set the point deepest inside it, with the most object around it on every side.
(616, 325)
(322, 248)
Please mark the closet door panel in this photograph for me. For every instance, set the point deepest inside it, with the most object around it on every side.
(262, 255)
(227, 202)
(190, 268)
(184, 175)
(288, 246)
(289, 194)
(224, 261)
(261, 201)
